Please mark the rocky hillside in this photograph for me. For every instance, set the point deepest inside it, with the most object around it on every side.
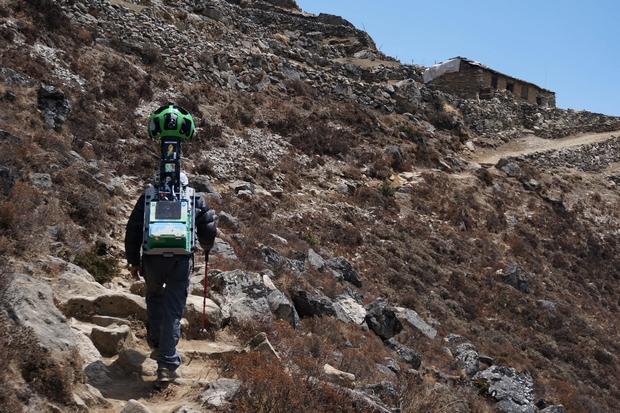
(382, 246)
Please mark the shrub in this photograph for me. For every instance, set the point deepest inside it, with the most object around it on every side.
(386, 189)
(422, 397)
(150, 54)
(291, 122)
(268, 387)
(87, 207)
(310, 238)
(300, 88)
(236, 115)
(323, 140)
(103, 268)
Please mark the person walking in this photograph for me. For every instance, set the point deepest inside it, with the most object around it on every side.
(159, 240)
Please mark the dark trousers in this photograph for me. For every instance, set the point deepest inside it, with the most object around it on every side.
(167, 283)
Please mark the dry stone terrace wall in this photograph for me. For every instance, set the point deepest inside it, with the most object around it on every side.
(591, 158)
(504, 118)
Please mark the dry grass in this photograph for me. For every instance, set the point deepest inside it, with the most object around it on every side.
(268, 387)
(421, 396)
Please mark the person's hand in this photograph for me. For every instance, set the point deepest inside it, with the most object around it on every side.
(135, 271)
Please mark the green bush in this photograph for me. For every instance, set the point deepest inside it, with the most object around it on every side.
(103, 268)
(386, 189)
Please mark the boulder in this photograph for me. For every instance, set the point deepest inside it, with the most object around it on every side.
(30, 303)
(514, 391)
(314, 260)
(338, 376)
(134, 361)
(515, 276)
(312, 304)
(202, 184)
(223, 249)
(349, 310)
(412, 318)
(382, 320)
(88, 352)
(193, 314)
(239, 186)
(227, 220)
(87, 397)
(133, 406)
(40, 180)
(409, 355)
(115, 304)
(509, 167)
(277, 261)
(281, 307)
(219, 392)
(110, 340)
(384, 390)
(98, 373)
(73, 281)
(261, 343)
(464, 352)
(343, 270)
(245, 296)
(54, 106)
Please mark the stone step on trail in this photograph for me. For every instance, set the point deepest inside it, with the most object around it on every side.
(204, 349)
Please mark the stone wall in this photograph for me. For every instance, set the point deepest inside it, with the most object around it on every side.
(466, 83)
(473, 81)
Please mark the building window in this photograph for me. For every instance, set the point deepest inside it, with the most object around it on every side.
(510, 87)
(494, 81)
(524, 91)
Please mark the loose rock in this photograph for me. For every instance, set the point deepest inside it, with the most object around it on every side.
(515, 391)
(220, 392)
(110, 340)
(338, 375)
(343, 270)
(54, 105)
(134, 406)
(382, 320)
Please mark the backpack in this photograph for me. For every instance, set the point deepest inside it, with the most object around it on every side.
(169, 209)
(169, 225)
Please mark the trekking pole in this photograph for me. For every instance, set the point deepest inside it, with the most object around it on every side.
(203, 322)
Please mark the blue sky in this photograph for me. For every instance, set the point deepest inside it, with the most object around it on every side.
(571, 47)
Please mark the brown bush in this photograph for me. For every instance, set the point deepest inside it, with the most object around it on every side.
(267, 387)
(150, 54)
(382, 197)
(323, 140)
(420, 396)
(291, 122)
(300, 88)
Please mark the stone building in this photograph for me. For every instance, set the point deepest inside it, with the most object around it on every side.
(469, 79)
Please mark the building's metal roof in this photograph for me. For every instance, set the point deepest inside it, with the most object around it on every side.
(451, 66)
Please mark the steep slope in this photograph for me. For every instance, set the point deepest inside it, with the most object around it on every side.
(349, 196)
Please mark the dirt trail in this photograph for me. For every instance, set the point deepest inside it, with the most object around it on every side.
(198, 369)
(533, 144)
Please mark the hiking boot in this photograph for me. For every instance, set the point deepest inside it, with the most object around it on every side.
(165, 375)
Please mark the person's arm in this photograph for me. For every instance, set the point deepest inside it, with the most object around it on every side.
(206, 227)
(133, 235)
